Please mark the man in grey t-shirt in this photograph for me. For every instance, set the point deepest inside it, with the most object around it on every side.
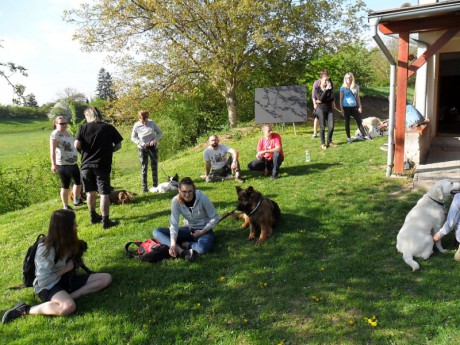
(217, 165)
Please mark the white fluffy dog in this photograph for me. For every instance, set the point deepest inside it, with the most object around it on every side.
(416, 235)
(171, 184)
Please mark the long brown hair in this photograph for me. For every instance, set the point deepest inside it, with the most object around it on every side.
(62, 234)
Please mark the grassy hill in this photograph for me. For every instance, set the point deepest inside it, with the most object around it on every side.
(329, 275)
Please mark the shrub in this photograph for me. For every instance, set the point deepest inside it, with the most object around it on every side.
(10, 112)
(27, 184)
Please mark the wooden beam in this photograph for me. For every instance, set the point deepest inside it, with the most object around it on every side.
(401, 100)
(420, 24)
(433, 49)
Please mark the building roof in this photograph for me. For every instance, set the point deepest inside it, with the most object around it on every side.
(436, 16)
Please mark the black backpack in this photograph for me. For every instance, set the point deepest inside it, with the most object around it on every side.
(149, 251)
(28, 267)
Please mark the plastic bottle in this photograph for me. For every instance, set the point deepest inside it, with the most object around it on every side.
(307, 156)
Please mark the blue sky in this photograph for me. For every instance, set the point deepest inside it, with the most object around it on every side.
(34, 35)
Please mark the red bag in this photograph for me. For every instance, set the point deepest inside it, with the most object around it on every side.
(150, 250)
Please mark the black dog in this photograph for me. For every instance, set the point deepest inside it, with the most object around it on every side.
(66, 279)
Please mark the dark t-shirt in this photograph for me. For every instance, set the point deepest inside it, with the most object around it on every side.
(97, 140)
(325, 96)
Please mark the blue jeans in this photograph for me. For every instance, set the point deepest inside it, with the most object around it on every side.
(201, 245)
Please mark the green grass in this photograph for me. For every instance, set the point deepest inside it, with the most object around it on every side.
(384, 92)
(331, 263)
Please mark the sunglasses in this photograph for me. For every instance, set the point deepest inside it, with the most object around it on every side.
(62, 123)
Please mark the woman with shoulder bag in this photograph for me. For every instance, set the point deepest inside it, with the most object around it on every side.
(52, 260)
(350, 105)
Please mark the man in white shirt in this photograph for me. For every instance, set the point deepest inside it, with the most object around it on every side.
(218, 166)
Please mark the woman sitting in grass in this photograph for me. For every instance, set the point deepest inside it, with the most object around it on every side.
(52, 260)
(200, 217)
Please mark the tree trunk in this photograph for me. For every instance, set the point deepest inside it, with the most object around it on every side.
(230, 100)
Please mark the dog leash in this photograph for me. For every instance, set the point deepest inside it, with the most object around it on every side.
(226, 215)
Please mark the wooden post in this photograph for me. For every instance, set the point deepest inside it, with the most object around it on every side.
(401, 100)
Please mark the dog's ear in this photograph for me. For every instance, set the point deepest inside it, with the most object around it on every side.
(250, 190)
(238, 189)
(439, 195)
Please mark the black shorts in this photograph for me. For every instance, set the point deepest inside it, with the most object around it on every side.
(68, 172)
(96, 179)
(77, 282)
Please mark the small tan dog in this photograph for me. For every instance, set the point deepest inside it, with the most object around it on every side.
(121, 197)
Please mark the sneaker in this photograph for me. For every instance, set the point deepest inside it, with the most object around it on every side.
(367, 137)
(314, 136)
(188, 255)
(145, 190)
(80, 203)
(208, 179)
(457, 254)
(238, 178)
(96, 218)
(331, 144)
(20, 309)
(323, 147)
(273, 177)
(67, 207)
(107, 223)
(349, 141)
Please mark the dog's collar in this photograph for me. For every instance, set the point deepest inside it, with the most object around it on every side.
(436, 201)
(255, 208)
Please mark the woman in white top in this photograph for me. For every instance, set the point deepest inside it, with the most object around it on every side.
(64, 157)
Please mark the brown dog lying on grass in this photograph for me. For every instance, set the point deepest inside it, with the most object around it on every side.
(121, 197)
(260, 212)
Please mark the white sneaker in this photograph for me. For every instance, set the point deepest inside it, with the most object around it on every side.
(367, 137)
(349, 140)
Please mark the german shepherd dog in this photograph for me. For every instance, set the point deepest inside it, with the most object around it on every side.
(260, 212)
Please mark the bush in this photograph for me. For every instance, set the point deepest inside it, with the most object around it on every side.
(9, 112)
(27, 184)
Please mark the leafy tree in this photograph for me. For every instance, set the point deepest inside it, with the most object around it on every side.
(104, 88)
(178, 43)
(72, 95)
(17, 88)
(30, 101)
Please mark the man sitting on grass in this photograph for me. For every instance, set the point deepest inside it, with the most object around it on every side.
(217, 165)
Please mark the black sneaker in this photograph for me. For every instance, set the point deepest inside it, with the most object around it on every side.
(189, 255)
(107, 223)
(20, 309)
(80, 203)
(96, 218)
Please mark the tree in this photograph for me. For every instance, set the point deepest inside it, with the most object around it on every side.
(72, 95)
(17, 88)
(30, 101)
(104, 88)
(179, 42)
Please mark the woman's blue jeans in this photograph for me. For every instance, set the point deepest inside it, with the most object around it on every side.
(201, 245)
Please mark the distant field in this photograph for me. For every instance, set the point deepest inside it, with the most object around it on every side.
(22, 136)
